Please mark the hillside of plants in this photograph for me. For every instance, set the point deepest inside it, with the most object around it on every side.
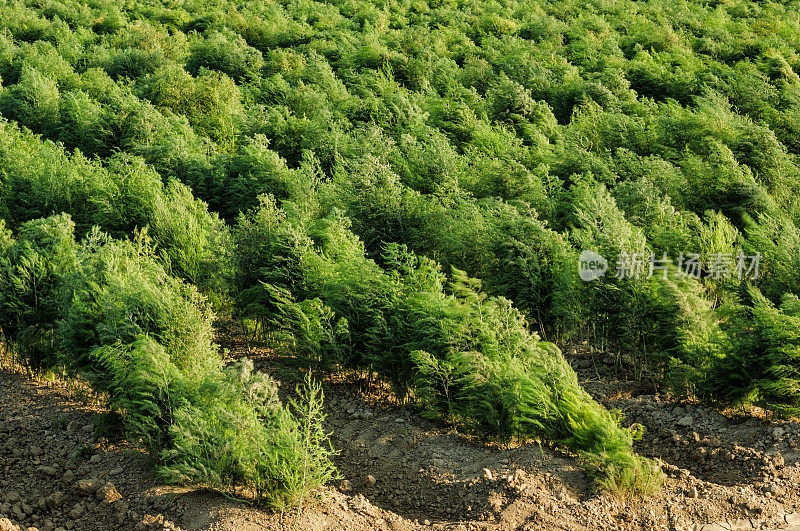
(402, 189)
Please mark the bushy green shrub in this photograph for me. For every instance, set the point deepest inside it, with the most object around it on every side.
(32, 283)
(757, 356)
(84, 124)
(33, 101)
(109, 310)
(122, 293)
(256, 170)
(309, 330)
(220, 428)
(470, 357)
(134, 63)
(230, 56)
(777, 240)
(211, 101)
(40, 179)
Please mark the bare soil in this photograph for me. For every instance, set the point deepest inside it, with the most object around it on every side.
(724, 470)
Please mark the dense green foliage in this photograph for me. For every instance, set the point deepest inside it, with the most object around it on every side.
(323, 163)
(107, 309)
(467, 357)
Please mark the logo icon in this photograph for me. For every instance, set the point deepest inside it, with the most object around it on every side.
(591, 265)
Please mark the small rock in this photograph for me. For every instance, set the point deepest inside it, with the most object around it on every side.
(49, 470)
(76, 512)
(778, 432)
(369, 480)
(399, 420)
(108, 493)
(792, 519)
(88, 428)
(692, 493)
(344, 486)
(55, 500)
(88, 486)
(487, 474)
(700, 453)
(686, 421)
(68, 478)
(115, 471)
(96, 458)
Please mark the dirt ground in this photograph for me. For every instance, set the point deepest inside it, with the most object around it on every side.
(724, 470)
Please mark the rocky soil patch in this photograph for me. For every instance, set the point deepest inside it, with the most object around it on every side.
(400, 471)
